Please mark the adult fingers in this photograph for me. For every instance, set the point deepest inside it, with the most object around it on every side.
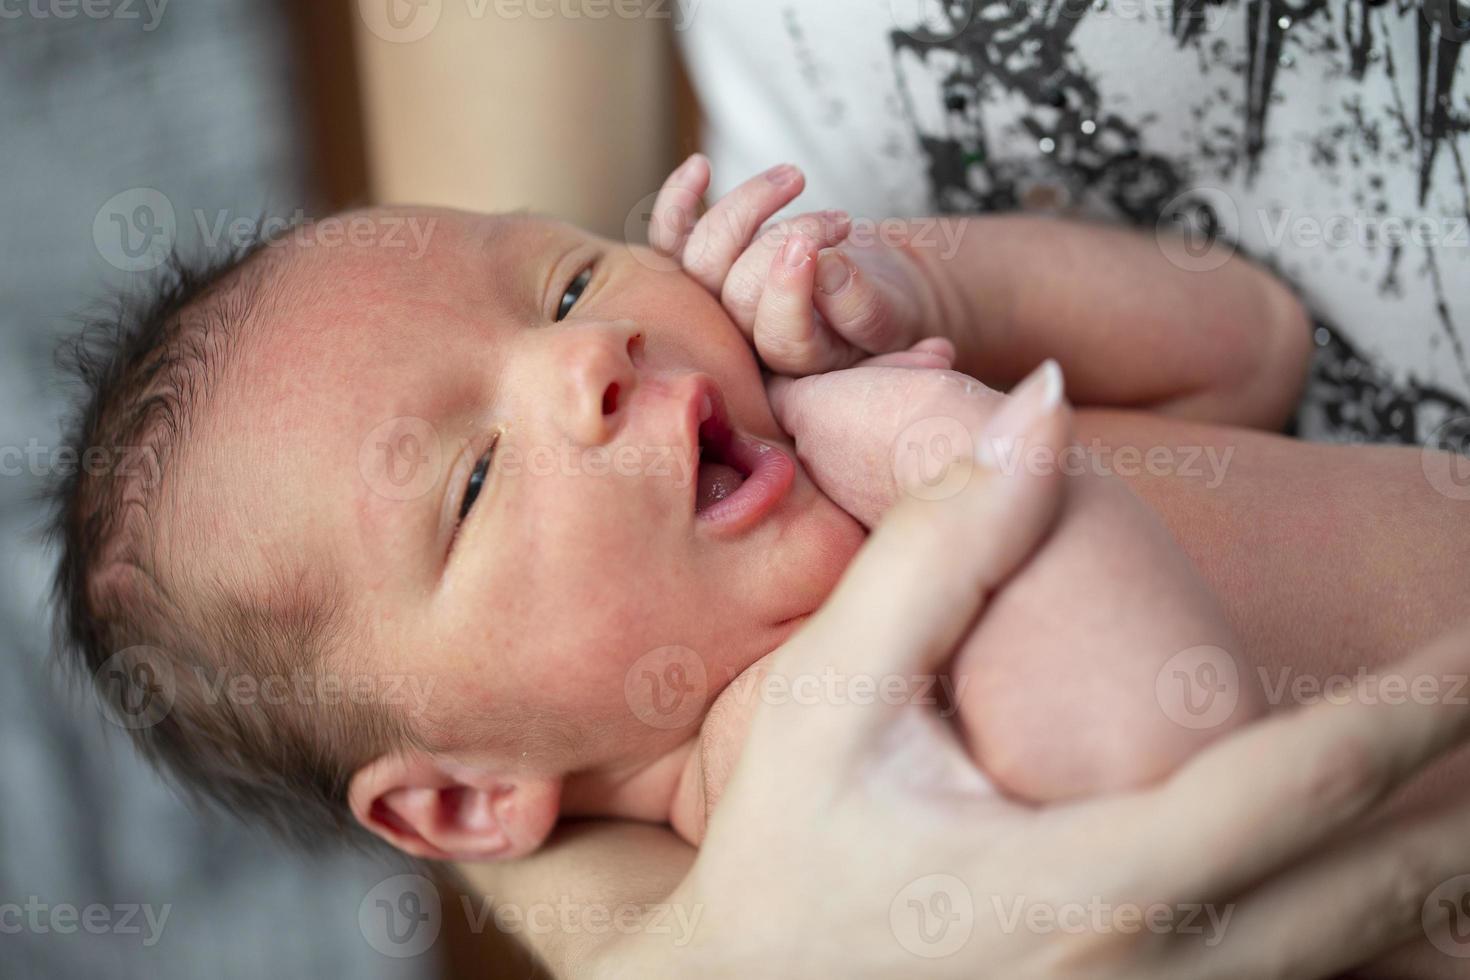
(1350, 904)
(1263, 797)
(728, 227)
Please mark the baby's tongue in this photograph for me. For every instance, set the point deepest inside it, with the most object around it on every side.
(716, 482)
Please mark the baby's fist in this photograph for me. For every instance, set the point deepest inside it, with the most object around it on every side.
(901, 417)
(809, 299)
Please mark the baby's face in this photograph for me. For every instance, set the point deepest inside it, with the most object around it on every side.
(392, 392)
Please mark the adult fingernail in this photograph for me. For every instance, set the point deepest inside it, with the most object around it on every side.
(797, 251)
(1029, 402)
(687, 167)
(782, 174)
(833, 273)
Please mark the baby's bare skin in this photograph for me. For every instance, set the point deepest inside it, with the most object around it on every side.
(1055, 689)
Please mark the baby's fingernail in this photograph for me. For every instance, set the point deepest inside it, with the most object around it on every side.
(797, 251)
(1029, 402)
(782, 174)
(832, 273)
(835, 223)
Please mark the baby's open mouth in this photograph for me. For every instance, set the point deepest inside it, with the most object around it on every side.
(720, 474)
(741, 479)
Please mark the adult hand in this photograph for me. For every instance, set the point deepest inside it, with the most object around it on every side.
(860, 839)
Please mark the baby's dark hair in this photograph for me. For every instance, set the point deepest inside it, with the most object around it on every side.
(162, 638)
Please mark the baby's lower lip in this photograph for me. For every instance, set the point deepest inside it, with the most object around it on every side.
(770, 474)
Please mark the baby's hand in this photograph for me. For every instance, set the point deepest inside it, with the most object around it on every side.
(857, 431)
(809, 299)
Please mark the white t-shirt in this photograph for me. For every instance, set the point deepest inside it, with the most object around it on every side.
(1329, 138)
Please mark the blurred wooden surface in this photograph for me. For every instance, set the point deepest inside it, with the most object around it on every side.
(331, 104)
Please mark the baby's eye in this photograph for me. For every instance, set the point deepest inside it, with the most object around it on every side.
(573, 293)
(477, 480)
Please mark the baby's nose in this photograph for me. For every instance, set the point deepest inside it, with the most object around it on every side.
(600, 366)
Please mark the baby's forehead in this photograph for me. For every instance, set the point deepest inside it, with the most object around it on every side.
(409, 238)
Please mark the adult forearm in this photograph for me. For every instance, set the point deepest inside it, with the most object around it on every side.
(613, 880)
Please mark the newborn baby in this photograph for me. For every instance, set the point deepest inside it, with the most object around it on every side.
(345, 484)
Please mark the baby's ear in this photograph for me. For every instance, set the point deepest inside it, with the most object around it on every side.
(446, 811)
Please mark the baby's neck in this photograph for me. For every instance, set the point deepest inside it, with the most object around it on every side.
(645, 792)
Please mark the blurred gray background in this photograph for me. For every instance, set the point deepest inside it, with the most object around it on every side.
(203, 105)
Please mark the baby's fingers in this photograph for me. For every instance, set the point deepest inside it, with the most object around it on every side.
(676, 209)
(789, 337)
(729, 226)
(855, 307)
(746, 281)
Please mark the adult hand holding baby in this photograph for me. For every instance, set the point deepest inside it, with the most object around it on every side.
(862, 837)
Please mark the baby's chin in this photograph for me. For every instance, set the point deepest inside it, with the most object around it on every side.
(822, 542)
